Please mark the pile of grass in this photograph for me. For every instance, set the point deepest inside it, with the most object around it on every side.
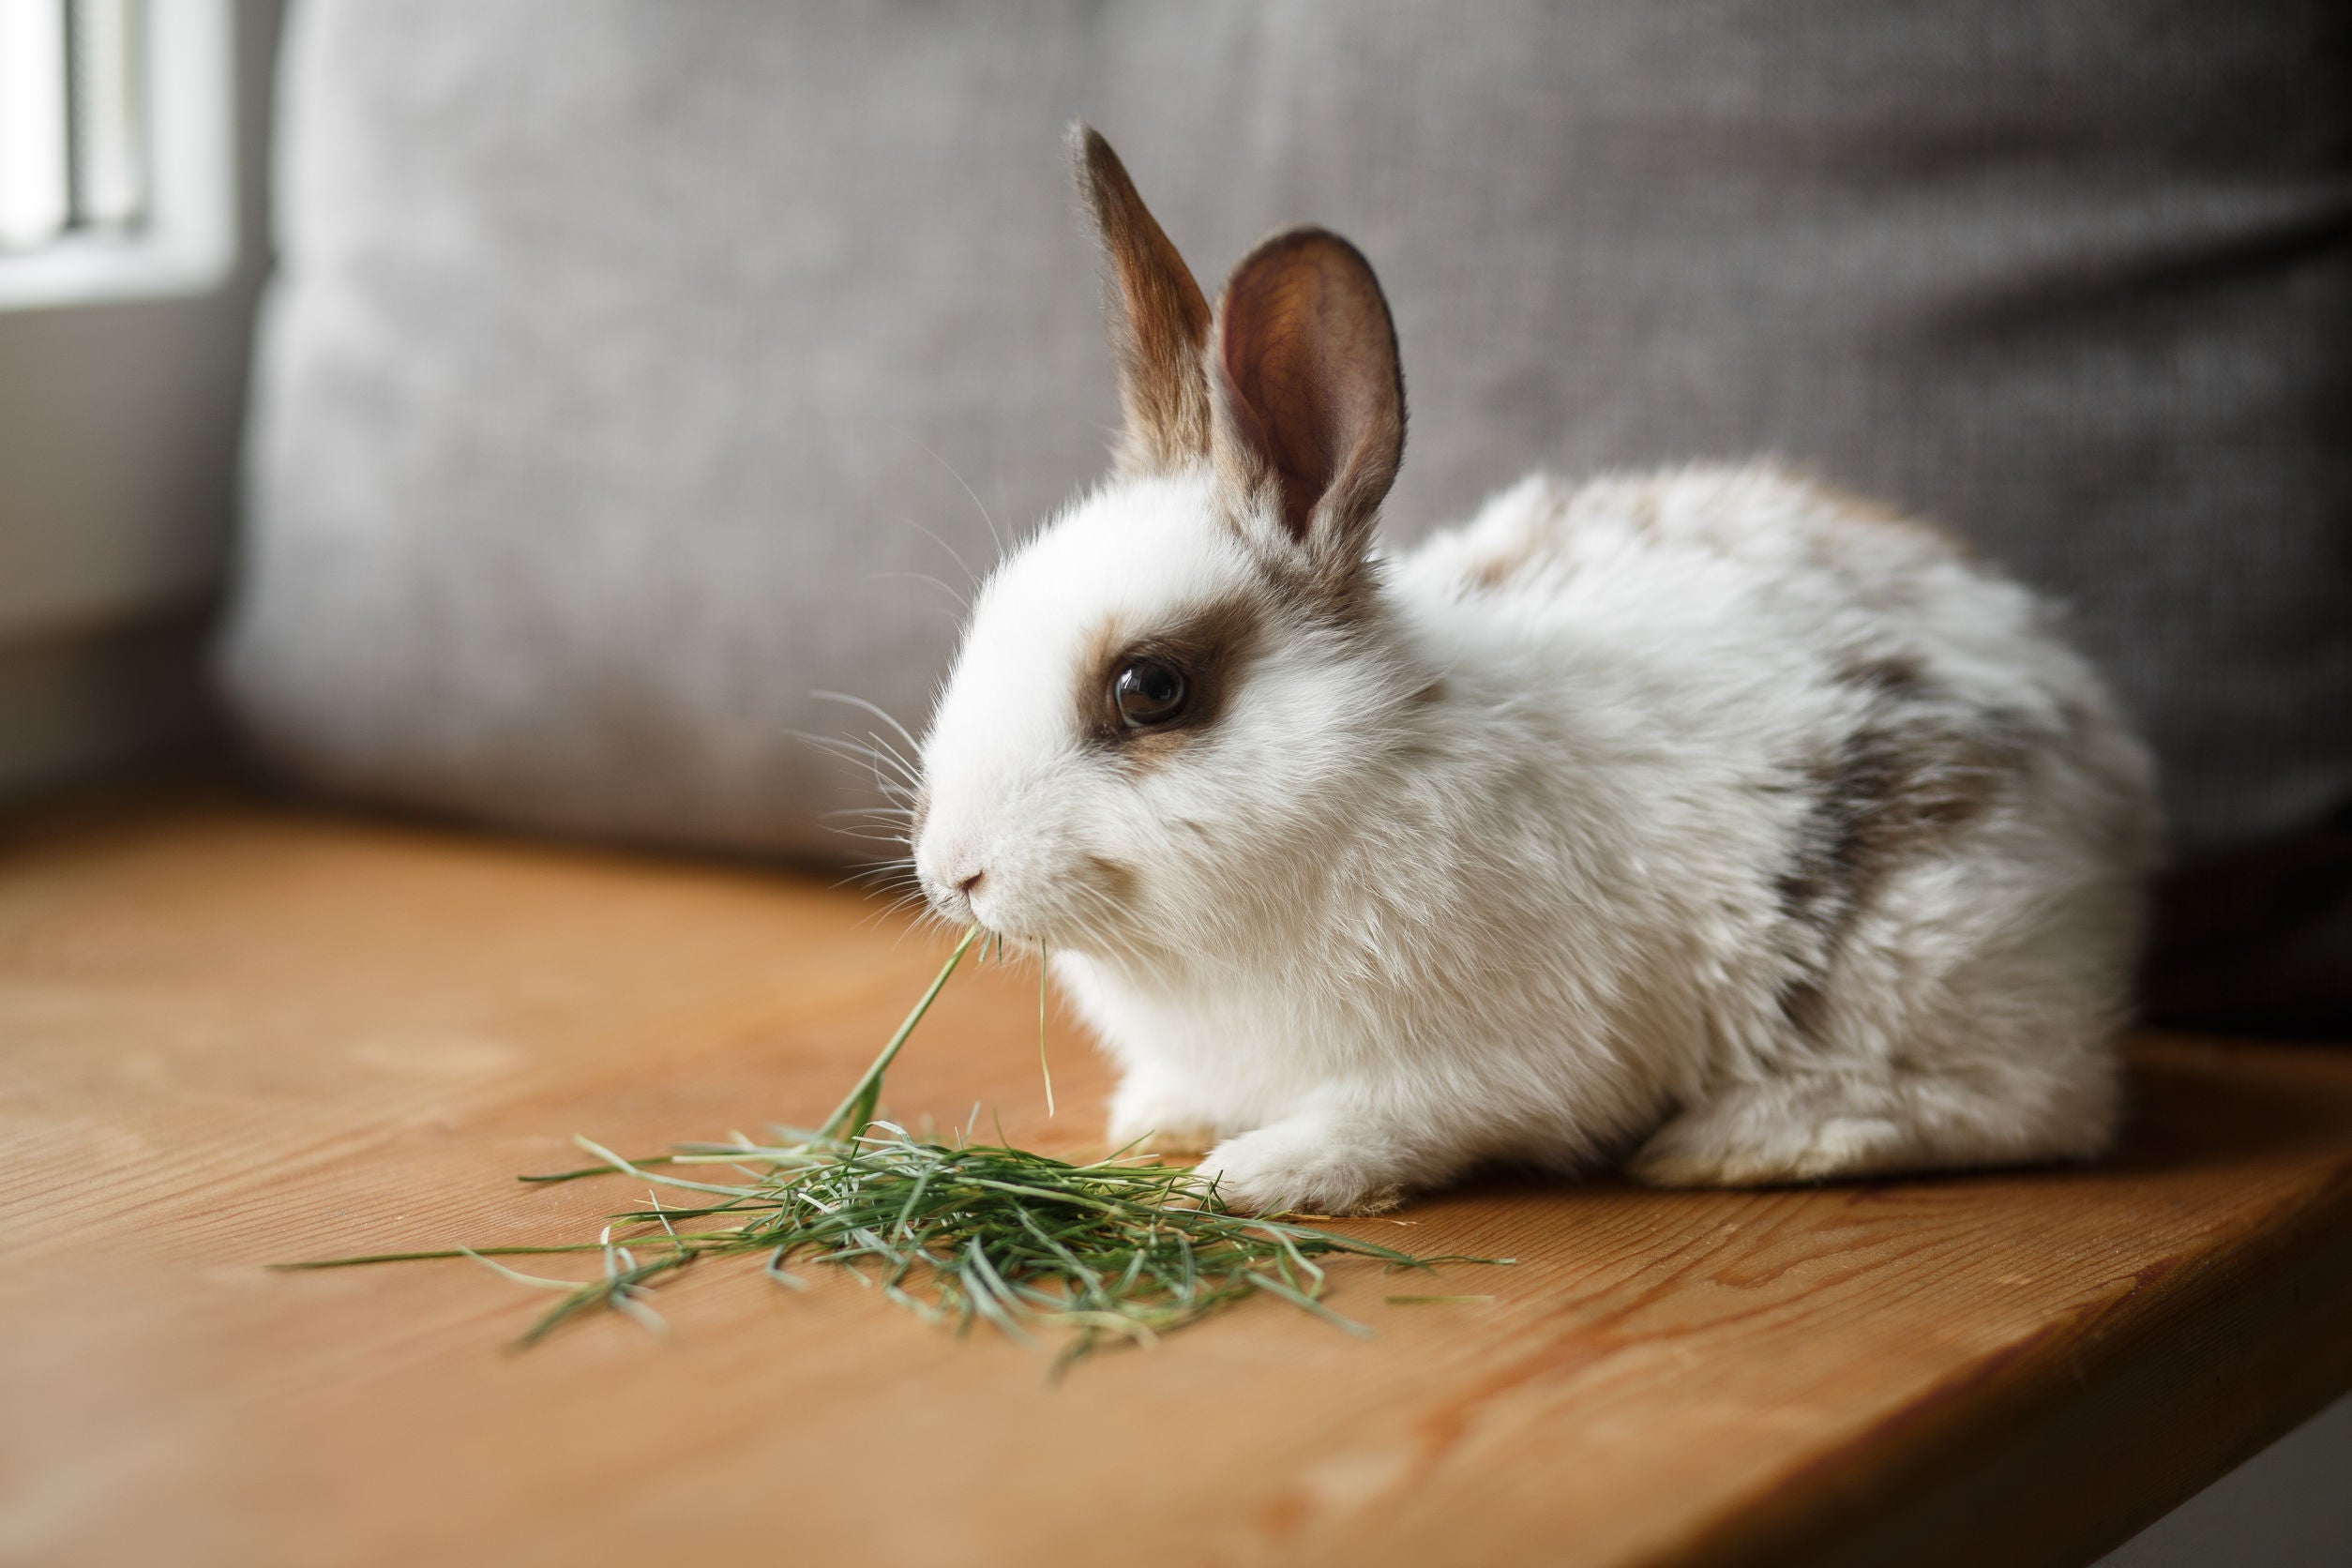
(957, 1232)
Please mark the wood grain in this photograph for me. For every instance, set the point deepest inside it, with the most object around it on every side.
(229, 1034)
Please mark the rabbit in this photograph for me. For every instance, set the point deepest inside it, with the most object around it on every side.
(1715, 820)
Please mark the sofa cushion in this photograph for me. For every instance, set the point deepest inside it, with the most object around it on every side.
(631, 372)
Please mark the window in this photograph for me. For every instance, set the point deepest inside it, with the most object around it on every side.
(72, 148)
(115, 173)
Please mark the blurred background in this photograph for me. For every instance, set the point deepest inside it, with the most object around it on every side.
(515, 410)
(133, 241)
(518, 410)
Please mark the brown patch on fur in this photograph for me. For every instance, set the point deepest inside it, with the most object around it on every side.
(1644, 506)
(1908, 779)
(1212, 646)
(1340, 594)
(1495, 570)
(1498, 571)
(1116, 881)
(1892, 677)
(1157, 315)
(1862, 511)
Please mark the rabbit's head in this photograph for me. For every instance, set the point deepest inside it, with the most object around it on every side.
(1173, 699)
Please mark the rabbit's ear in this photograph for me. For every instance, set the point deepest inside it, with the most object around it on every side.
(1307, 395)
(1159, 320)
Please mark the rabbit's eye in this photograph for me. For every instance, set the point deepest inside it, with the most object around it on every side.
(1148, 691)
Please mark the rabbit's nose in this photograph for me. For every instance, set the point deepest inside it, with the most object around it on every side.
(971, 883)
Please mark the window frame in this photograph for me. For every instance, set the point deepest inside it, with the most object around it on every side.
(186, 240)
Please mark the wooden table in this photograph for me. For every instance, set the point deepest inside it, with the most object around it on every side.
(230, 1034)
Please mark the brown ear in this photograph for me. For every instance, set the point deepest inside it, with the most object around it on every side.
(1309, 397)
(1159, 320)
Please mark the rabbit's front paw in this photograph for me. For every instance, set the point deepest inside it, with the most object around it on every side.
(1170, 1141)
(1302, 1166)
(1146, 1118)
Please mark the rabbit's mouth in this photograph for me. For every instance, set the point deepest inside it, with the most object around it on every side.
(975, 895)
(1084, 907)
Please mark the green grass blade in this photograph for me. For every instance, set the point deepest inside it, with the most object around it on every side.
(857, 1108)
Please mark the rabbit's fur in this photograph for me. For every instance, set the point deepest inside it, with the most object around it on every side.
(1714, 817)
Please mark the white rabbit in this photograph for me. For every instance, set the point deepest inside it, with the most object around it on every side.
(1717, 817)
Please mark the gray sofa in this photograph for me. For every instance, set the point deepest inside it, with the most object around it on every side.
(633, 372)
